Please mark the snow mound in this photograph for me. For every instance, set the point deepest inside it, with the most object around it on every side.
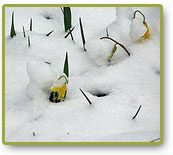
(41, 76)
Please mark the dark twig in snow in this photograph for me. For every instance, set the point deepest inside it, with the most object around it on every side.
(117, 43)
(85, 96)
(137, 112)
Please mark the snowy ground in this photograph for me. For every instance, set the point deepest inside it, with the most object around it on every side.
(128, 81)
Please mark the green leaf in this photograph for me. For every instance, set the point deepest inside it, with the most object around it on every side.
(82, 34)
(67, 18)
(66, 71)
(12, 32)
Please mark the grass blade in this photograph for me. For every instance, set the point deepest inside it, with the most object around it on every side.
(29, 42)
(24, 32)
(82, 34)
(48, 34)
(137, 112)
(66, 71)
(107, 33)
(67, 18)
(70, 32)
(31, 24)
(85, 96)
(12, 32)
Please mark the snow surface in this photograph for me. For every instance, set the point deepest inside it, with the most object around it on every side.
(128, 81)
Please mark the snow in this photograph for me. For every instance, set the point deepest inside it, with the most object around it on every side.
(127, 82)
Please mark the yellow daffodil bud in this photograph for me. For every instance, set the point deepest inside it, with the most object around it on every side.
(59, 89)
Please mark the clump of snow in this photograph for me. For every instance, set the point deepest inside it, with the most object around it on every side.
(41, 77)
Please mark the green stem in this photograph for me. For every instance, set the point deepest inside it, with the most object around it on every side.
(63, 76)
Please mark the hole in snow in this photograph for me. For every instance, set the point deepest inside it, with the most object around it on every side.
(48, 16)
(99, 93)
(157, 72)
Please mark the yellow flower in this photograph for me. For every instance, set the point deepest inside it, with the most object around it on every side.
(147, 33)
(59, 88)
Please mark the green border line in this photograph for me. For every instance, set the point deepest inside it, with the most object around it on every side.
(82, 5)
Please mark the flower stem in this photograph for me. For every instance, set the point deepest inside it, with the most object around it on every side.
(63, 76)
(117, 43)
(141, 14)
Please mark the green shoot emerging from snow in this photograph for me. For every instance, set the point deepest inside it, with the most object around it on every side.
(48, 34)
(66, 70)
(137, 112)
(107, 33)
(147, 33)
(24, 35)
(85, 96)
(67, 18)
(12, 32)
(31, 24)
(82, 34)
(29, 42)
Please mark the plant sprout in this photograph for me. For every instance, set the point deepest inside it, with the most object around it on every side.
(147, 33)
(59, 88)
(82, 34)
(12, 32)
(31, 24)
(24, 32)
(115, 47)
(48, 34)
